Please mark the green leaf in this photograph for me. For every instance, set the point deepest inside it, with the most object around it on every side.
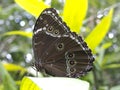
(8, 82)
(107, 45)
(111, 58)
(111, 66)
(100, 31)
(53, 83)
(35, 7)
(21, 33)
(101, 52)
(1, 87)
(74, 13)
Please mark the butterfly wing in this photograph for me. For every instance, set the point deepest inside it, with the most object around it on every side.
(50, 21)
(48, 25)
(68, 56)
(58, 51)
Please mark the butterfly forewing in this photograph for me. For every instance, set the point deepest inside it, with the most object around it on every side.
(58, 51)
(50, 21)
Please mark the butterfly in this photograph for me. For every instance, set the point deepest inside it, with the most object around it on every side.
(58, 51)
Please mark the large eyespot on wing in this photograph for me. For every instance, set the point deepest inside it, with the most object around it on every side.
(70, 51)
(66, 51)
(82, 57)
(77, 55)
(53, 56)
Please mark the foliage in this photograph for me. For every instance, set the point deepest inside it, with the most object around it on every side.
(99, 32)
(74, 13)
(26, 82)
(15, 37)
(32, 6)
(8, 82)
(21, 33)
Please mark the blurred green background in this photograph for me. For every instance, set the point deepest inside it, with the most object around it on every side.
(17, 49)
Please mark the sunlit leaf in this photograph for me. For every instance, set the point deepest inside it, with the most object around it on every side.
(53, 83)
(13, 67)
(8, 82)
(35, 7)
(74, 13)
(21, 33)
(100, 31)
(28, 84)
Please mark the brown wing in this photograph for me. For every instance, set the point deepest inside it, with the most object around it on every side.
(67, 56)
(50, 21)
(58, 51)
(48, 25)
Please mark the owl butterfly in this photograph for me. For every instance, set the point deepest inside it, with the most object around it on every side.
(58, 51)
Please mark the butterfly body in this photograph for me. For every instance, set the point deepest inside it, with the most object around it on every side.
(57, 50)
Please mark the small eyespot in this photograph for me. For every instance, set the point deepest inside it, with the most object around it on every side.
(56, 32)
(72, 62)
(70, 55)
(50, 29)
(60, 46)
(72, 70)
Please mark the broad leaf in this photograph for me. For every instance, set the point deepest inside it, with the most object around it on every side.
(28, 84)
(100, 31)
(35, 7)
(74, 13)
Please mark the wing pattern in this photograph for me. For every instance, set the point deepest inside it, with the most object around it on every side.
(57, 50)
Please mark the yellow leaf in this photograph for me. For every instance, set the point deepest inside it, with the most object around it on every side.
(74, 13)
(22, 33)
(13, 67)
(28, 84)
(35, 7)
(100, 31)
